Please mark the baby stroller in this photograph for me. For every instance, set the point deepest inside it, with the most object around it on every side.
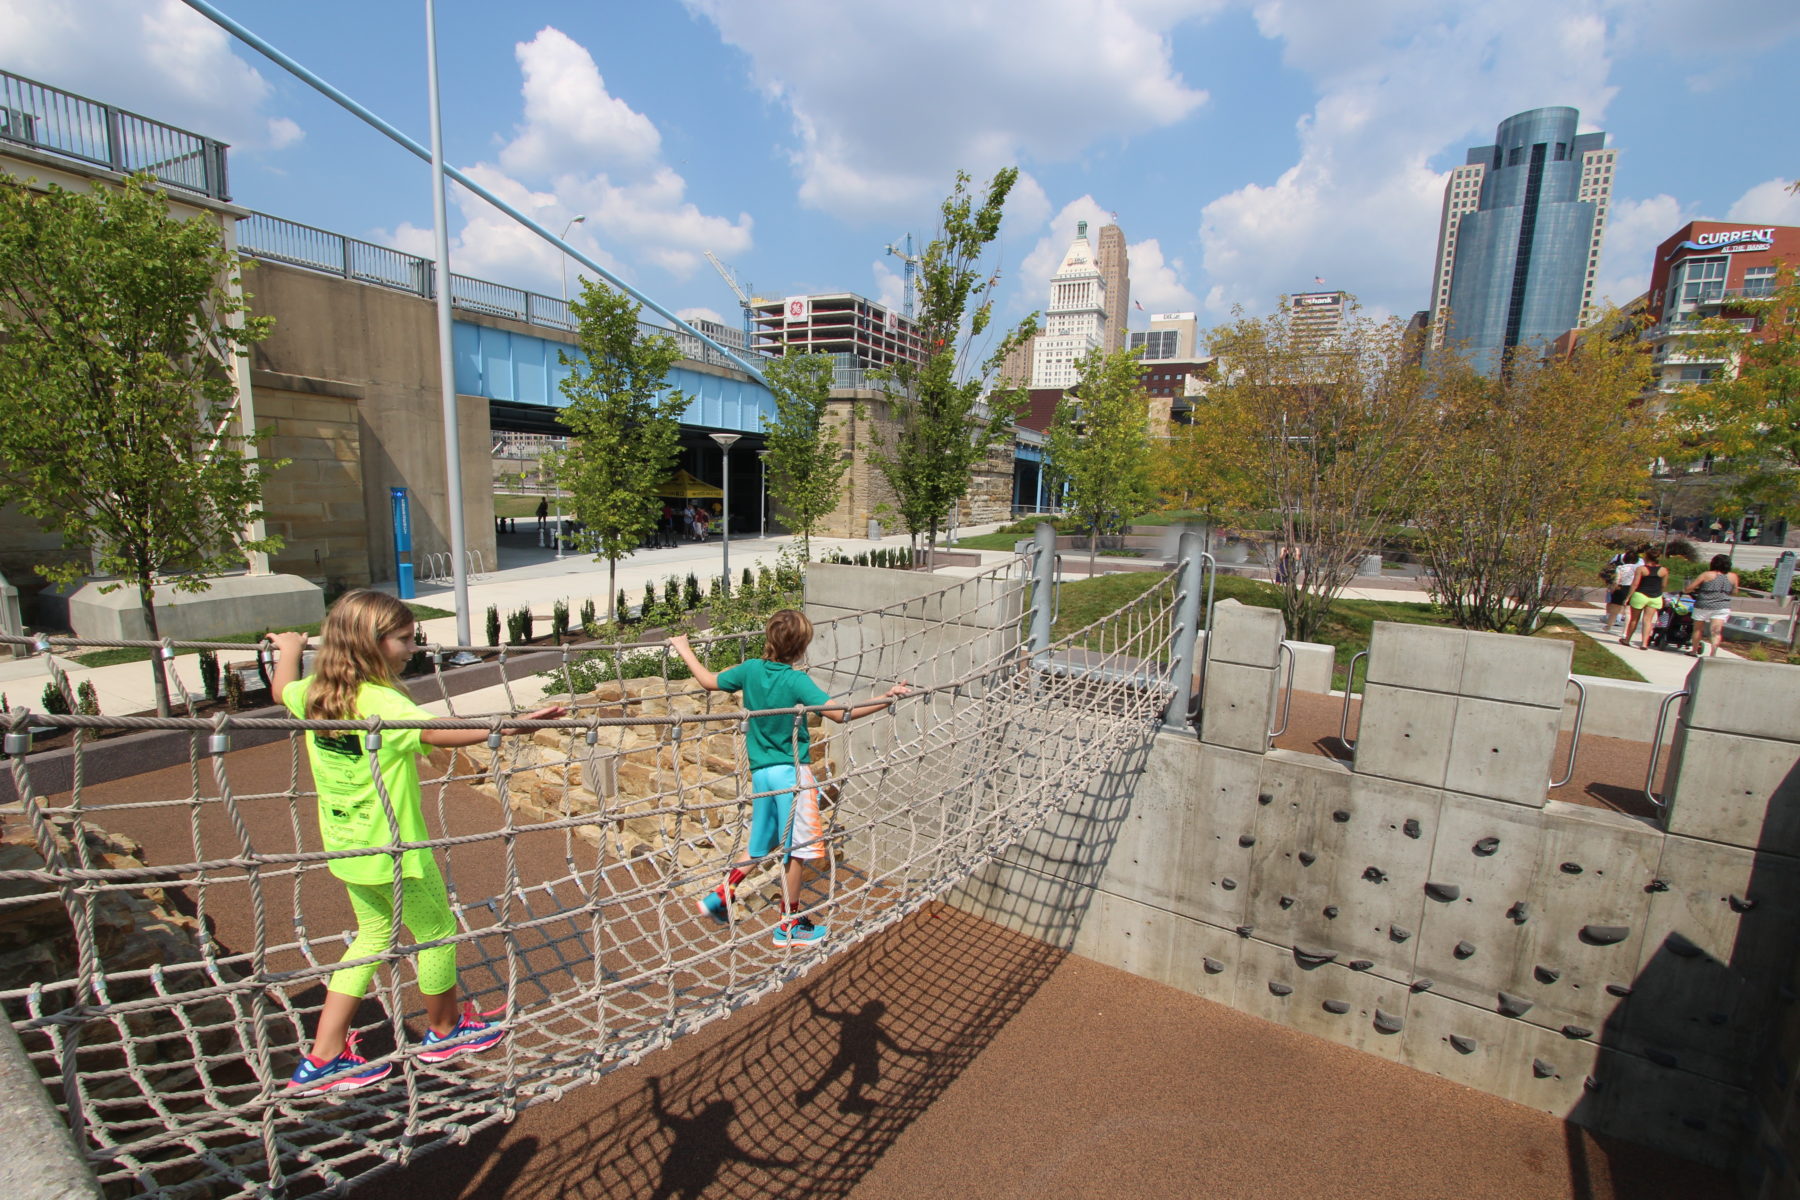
(1674, 624)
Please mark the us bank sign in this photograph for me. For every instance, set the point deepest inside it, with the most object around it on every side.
(1730, 241)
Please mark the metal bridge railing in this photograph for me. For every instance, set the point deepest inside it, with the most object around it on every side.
(62, 123)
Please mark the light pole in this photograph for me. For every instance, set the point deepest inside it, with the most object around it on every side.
(563, 257)
(762, 508)
(726, 442)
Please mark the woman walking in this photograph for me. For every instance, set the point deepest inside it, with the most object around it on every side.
(1645, 599)
(1712, 590)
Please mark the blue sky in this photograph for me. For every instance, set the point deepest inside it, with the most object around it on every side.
(1246, 146)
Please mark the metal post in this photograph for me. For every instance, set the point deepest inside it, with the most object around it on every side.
(459, 549)
(1192, 560)
(1043, 574)
(726, 442)
(762, 507)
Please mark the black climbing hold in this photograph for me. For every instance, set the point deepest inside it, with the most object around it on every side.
(1514, 1006)
(1246, 840)
(1336, 1007)
(1463, 1045)
(1245, 931)
(1621, 990)
(1264, 798)
(1576, 1032)
(1486, 846)
(1308, 858)
(1443, 892)
(1286, 902)
(1519, 913)
(1340, 816)
(1331, 912)
(1399, 932)
(1656, 885)
(1604, 935)
(1374, 875)
(1213, 966)
(1717, 1018)
(1694, 1123)
(1591, 1084)
(1463, 950)
(1423, 985)
(1661, 1058)
(1411, 828)
(1542, 1069)
(1571, 868)
(1360, 964)
(1387, 1022)
(1306, 956)
(1277, 988)
(1545, 974)
(1680, 946)
(1740, 904)
(1228, 884)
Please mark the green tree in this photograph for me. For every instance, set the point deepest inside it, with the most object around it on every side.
(806, 464)
(946, 416)
(627, 429)
(122, 327)
(1748, 416)
(1099, 444)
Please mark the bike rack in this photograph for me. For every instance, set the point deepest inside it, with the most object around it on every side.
(1574, 734)
(1277, 692)
(1349, 691)
(1662, 721)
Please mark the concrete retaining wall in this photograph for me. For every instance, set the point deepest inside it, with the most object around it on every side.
(1428, 903)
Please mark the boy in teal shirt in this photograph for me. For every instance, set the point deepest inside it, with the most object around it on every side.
(785, 811)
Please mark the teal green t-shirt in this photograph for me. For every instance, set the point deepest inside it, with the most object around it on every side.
(772, 741)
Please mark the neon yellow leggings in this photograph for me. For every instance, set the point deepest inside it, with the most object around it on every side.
(426, 915)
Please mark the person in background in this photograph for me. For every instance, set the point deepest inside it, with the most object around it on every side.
(1645, 599)
(1712, 590)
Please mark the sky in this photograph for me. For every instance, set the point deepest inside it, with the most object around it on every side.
(1245, 147)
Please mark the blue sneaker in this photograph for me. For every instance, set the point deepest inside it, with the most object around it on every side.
(798, 932)
(345, 1073)
(717, 905)
(472, 1035)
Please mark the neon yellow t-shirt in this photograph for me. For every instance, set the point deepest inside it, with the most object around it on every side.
(350, 810)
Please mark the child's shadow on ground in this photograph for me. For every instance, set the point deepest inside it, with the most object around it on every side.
(702, 1145)
(860, 1042)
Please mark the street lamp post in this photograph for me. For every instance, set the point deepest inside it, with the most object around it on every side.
(563, 257)
(726, 442)
(762, 508)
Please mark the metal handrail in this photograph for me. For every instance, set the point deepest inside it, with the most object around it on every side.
(1662, 721)
(1286, 697)
(1055, 587)
(1574, 733)
(1349, 691)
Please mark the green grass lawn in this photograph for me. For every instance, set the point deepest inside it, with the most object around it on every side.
(130, 654)
(1347, 628)
(509, 504)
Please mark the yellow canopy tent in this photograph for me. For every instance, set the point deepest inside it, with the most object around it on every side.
(684, 486)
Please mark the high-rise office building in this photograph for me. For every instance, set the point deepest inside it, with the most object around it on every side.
(1115, 269)
(1076, 320)
(1316, 317)
(1519, 241)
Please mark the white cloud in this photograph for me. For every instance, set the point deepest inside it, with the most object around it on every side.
(1156, 283)
(155, 57)
(636, 207)
(1773, 201)
(1400, 82)
(1033, 280)
(1634, 228)
(890, 285)
(700, 314)
(888, 100)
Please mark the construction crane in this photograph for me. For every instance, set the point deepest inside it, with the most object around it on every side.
(912, 265)
(743, 298)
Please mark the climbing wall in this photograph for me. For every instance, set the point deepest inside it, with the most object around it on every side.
(1429, 904)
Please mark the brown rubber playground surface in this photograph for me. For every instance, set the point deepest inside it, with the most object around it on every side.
(948, 1057)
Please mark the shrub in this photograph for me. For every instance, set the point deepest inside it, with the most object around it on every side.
(588, 616)
(234, 691)
(690, 592)
(417, 664)
(515, 627)
(715, 587)
(55, 700)
(1682, 548)
(493, 625)
(209, 674)
(87, 700)
(765, 581)
(623, 608)
(748, 582)
(559, 618)
(671, 596)
(525, 623)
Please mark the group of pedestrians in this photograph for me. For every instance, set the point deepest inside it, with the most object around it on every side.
(1637, 583)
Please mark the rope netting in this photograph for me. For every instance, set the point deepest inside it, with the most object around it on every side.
(172, 932)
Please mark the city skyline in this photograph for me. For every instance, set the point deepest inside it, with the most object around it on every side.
(1245, 149)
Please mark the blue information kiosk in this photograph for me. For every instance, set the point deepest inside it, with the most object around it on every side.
(403, 565)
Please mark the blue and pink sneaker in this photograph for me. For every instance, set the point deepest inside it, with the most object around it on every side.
(717, 904)
(472, 1035)
(345, 1073)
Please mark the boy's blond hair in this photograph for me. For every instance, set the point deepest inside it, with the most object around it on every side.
(787, 636)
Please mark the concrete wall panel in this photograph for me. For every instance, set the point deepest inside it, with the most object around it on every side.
(1236, 713)
(1416, 656)
(1277, 984)
(1501, 751)
(1742, 791)
(1670, 1108)
(1404, 734)
(1469, 946)
(1501, 666)
(1244, 635)
(1752, 699)
(1505, 1057)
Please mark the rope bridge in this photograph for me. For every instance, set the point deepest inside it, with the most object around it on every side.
(165, 939)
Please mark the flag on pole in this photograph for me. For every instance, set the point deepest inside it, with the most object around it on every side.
(1137, 306)
(1319, 279)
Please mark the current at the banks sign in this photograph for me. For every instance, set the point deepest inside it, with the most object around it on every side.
(1731, 241)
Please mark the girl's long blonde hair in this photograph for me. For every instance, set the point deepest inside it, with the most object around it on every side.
(349, 653)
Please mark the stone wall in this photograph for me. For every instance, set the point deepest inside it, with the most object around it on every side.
(1430, 905)
(315, 503)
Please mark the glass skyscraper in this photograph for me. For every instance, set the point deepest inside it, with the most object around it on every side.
(1519, 241)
